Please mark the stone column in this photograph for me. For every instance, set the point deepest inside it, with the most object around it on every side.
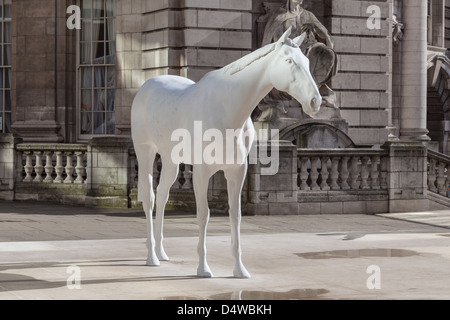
(413, 110)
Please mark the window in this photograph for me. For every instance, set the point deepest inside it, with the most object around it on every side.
(96, 72)
(5, 66)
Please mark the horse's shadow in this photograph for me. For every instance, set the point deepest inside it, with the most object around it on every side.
(11, 282)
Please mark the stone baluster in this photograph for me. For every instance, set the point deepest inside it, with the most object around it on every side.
(364, 173)
(334, 176)
(48, 167)
(441, 178)
(79, 169)
(304, 174)
(38, 168)
(188, 177)
(28, 166)
(69, 168)
(344, 173)
(354, 174)
(432, 176)
(59, 169)
(325, 174)
(314, 174)
(374, 173)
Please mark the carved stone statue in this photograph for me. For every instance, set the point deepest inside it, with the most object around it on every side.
(318, 47)
(301, 20)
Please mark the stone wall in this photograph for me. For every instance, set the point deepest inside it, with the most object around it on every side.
(129, 62)
(363, 81)
(43, 71)
(191, 37)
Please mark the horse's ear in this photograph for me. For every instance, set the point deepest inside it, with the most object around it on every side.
(299, 40)
(284, 37)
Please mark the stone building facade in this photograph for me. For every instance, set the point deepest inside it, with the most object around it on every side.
(69, 85)
(48, 75)
(44, 63)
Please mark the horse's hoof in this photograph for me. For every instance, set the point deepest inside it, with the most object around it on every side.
(162, 256)
(204, 273)
(153, 261)
(241, 273)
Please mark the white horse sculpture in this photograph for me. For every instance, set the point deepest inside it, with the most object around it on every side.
(222, 100)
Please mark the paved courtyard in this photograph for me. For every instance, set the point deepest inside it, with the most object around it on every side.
(50, 251)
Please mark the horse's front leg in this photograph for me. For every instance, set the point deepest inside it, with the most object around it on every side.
(200, 181)
(235, 180)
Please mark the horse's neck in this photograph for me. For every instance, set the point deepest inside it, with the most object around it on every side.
(243, 90)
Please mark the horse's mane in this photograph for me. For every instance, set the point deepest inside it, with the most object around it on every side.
(247, 60)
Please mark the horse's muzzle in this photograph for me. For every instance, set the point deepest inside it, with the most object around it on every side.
(315, 104)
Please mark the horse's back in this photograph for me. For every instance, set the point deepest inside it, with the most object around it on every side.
(154, 102)
(161, 88)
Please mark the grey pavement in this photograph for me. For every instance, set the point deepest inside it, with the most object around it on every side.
(289, 257)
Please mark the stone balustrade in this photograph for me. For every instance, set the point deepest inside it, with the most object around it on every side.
(183, 181)
(51, 163)
(342, 169)
(104, 172)
(438, 177)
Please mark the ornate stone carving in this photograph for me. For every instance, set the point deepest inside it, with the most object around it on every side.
(397, 30)
(318, 47)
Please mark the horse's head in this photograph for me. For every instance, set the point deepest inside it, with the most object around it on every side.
(290, 73)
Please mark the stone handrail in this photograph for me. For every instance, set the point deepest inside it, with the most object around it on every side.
(342, 169)
(51, 163)
(438, 178)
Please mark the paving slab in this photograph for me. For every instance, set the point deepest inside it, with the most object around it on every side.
(440, 218)
(47, 250)
(283, 266)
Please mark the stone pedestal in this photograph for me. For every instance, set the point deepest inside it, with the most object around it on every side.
(8, 143)
(273, 191)
(107, 172)
(407, 176)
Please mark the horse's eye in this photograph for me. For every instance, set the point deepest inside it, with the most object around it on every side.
(289, 61)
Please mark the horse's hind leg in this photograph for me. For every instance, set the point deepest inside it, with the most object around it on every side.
(235, 181)
(146, 157)
(169, 174)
